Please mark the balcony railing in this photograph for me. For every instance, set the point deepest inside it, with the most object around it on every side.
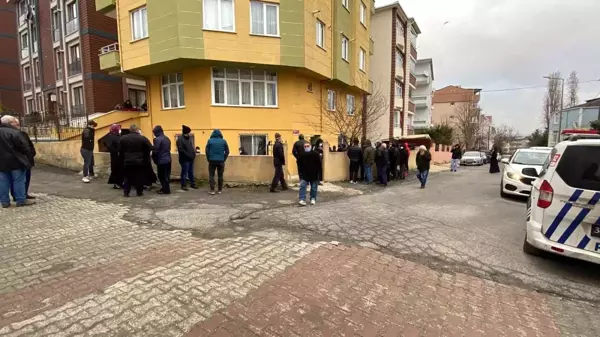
(72, 26)
(398, 102)
(411, 107)
(413, 80)
(420, 101)
(24, 53)
(413, 52)
(56, 34)
(75, 68)
(27, 85)
(110, 58)
(77, 110)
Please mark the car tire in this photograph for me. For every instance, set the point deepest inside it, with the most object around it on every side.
(502, 194)
(529, 249)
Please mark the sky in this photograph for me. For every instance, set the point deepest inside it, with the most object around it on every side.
(498, 44)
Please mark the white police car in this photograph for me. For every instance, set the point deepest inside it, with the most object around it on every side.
(514, 180)
(562, 212)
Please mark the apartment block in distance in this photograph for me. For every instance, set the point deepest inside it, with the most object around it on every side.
(11, 97)
(423, 95)
(59, 43)
(447, 100)
(393, 70)
(248, 68)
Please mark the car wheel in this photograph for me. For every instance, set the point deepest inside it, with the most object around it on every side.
(529, 249)
(502, 194)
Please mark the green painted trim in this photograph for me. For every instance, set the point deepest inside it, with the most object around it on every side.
(343, 23)
(291, 24)
(105, 6)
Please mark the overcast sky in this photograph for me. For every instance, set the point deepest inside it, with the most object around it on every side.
(497, 44)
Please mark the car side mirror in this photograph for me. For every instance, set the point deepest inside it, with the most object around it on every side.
(530, 172)
(504, 161)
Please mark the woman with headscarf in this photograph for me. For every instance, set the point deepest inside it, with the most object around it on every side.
(494, 167)
(112, 142)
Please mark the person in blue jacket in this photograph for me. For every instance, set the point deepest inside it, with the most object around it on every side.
(161, 154)
(217, 152)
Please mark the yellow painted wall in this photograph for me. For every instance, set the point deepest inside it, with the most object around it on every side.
(362, 34)
(316, 58)
(133, 54)
(241, 46)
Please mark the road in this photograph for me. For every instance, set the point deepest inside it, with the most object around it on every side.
(86, 261)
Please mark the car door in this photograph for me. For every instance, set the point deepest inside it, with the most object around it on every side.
(573, 218)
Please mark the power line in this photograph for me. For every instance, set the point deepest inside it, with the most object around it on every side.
(530, 87)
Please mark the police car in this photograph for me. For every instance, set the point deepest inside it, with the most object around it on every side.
(562, 212)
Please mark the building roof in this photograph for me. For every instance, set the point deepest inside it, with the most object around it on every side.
(430, 62)
(589, 103)
(413, 22)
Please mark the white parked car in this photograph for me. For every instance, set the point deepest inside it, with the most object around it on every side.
(471, 158)
(515, 180)
(562, 212)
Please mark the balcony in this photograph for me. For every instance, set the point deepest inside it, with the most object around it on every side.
(411, 107)
(398, 102)
(56, 35)
(423, 80)
(105, 6)
(420, 101)
(413, 80)
(413, 52)
(109, 58)
(399, 72)
(24, 53)
(72, 26)
(27, 85)
(74, 67)
(77, 110)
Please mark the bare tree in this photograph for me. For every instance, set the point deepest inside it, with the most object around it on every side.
(350, 119)
(466, 124)
(503, 135)
(573, 89)
(551, 99)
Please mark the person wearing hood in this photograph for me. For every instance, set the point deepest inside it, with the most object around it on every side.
(368, 161)
(187, 155)
(217, 152)
(87, 151)
(297, 150)
(161, 155)
(112, 142)
(278, 163)
(355, 156)
(456, 156)
(382, 160)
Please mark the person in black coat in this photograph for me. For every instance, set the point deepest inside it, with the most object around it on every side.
(135, 150)
(309, 163)
(31, 158)
(382, 161)
(423, 161)
(494, 167)
(402, 161)
(319, 149)
(278, 162)
(112, 142)
(394, 155)
(161, 155)
(187, 156)
(297, 150)
(15, 154)
(355, 155)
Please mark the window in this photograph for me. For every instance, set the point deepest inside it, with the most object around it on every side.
(30, 107)
(34, 39)
(26, 74)
(331, 100)
(55, 26)
(72, 11)
(399, 60)
(320, 34)
(36, 68)
(77, 98)
(24, 45)
(350, 106)
(172, 91)
(363, 14)
(136, 96)
(139, 24)
(219, 15)
(58, 64)
(345, 3)
(74, 53)
(362, 59)
(413, 38)
(241, 87)
(399, 31)
(396, 118)
(264, 18)
(345, 48)
(254, 145)
(579, 167)
(398, 89)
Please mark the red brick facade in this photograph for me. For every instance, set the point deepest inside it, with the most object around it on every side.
(11, 95)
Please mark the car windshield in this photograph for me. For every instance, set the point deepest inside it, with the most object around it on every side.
(472, 154)
(530, 158)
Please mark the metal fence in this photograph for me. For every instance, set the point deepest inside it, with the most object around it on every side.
(63, 124)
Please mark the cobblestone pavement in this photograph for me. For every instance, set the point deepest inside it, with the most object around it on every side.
(444, 261)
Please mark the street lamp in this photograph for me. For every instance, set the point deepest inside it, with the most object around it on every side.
(562, 96)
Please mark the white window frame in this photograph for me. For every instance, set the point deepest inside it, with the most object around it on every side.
(345, 4)
(264, 7)
(254, 137)
(345, 48)
(350, 104)
(363, 14)
(241, 81)
(34, 39)
(29, 105)
(139, 23)
(177, 86)
(331, 100)
(398, 86)
(396, 118)
(219, 23)
(26, 73)
(362, 60)
(79, 89)
(320, 33)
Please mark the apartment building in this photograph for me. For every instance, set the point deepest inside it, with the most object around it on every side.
(423, 95)
(59, 42)
(576, 117)
(249, 68)
(393, 69)
(447, 100)
(11, 97)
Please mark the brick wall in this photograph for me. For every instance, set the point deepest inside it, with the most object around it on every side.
(47, 59)
(10, 69)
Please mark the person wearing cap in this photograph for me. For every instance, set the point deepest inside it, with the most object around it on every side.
(187, 155)
(161, 155)
(278, 162)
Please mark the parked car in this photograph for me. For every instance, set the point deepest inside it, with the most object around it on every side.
(472, 158)
(484, 157)
(562, 215)
(515, 180)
